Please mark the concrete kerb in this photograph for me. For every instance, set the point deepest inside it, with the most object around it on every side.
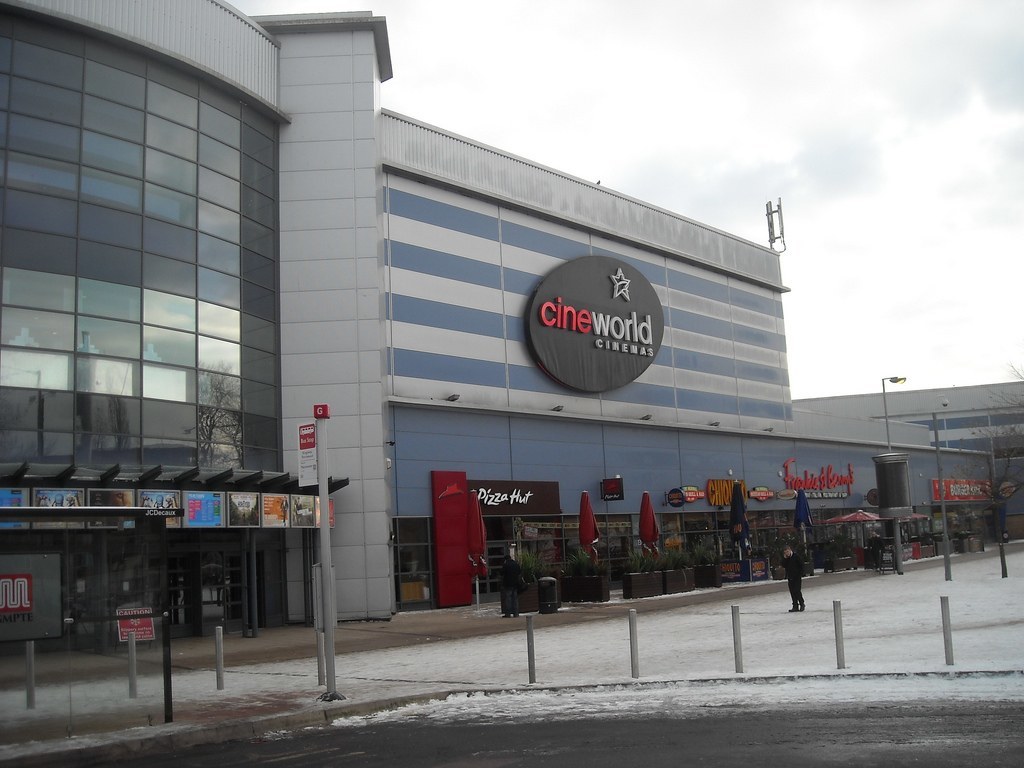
(112, 747)
(90, 749)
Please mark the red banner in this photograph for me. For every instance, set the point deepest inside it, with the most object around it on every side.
(962, 490)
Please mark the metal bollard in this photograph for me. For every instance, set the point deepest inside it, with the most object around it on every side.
(1002, 558)
(218, 635)
(634, 651)
(947, 631)
(837, 618)
(737, 642)
(133, 676)
(30, 674)
(531, 656)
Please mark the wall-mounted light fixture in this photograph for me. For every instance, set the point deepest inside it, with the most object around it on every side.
(769, 429)
(558, 408)
(453, 397)
(646, 417)
(714, 423)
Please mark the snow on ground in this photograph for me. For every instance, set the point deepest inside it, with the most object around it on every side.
(892, 627)
(892, 642)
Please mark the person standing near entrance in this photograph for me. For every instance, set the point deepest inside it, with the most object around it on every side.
(794, 568)
(510, 576)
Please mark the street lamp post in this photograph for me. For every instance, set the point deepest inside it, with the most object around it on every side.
(885, 406)
(942, 498)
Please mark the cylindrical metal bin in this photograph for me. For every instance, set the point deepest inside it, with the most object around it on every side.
(547, 594)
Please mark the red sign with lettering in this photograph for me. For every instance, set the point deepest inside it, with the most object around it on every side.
(962, 490)
(307, 437)
(825, 484)
(137, 620)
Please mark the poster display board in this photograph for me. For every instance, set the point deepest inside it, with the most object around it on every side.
(243, 509)
(275, 510)
(13, 497)
(204, 509)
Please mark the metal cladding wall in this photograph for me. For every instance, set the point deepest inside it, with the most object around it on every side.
(205, 33)
(461, 272)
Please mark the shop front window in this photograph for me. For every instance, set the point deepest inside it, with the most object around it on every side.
(413, 571)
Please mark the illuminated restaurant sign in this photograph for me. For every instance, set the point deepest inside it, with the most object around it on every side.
(962, 490)
(825, 484)
(720, 491)
(595, 324)
(507, 497)
(761, 493)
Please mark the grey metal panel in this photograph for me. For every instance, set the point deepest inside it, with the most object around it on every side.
(419, 148)
(204, 33)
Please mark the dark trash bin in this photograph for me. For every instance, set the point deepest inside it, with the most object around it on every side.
(547, 594)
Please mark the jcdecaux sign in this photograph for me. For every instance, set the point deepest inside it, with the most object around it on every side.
(595, 324)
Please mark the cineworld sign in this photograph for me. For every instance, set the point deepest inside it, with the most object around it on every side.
(595, 324)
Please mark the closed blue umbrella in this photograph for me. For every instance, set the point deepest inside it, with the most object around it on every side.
(802, 517)
(738, 519)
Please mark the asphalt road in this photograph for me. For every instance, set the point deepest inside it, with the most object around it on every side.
(913, 733)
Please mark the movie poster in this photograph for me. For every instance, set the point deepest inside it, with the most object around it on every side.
(302, 512)
(59, 497)
(162, 500)
(243, 510)
(275, 510)
(110, 497)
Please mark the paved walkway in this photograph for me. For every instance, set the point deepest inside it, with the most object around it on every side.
(256, 700)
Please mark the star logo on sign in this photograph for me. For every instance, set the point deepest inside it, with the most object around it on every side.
(621, 283)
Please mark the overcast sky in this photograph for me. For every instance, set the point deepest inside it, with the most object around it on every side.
(892, 130)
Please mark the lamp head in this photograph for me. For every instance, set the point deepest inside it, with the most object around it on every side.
(897, 379)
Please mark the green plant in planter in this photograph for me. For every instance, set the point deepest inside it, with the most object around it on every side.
(839, 546)
(640, 561)
(530, 565)
(578, 563)
(704, 552)
(674, 560)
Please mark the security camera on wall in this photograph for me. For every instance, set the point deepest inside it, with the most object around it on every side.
(945, 403)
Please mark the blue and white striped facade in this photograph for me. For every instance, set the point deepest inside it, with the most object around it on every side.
(461, 271)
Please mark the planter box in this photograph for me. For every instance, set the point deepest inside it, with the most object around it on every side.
(529, 601)
(585, 589)
(636, 585)
(927, 550)
(680, 580)
(778, 573)
(841, 564)
(707, 576)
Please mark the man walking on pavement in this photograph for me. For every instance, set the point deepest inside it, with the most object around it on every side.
(794, 568)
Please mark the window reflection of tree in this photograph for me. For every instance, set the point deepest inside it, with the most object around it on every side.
(212, 575)
(108, 416)
(219, 427)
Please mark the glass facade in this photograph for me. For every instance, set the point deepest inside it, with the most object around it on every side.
(138, 261)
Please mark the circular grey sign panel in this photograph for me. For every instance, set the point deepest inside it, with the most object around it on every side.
(595, 324)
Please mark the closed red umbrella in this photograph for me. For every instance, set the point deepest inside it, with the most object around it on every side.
(589, 533)
(477, 537)
(649, 533)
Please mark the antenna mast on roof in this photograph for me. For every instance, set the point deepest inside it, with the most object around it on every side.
(776, 231)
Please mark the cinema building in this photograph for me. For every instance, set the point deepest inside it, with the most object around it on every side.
(210, 224)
